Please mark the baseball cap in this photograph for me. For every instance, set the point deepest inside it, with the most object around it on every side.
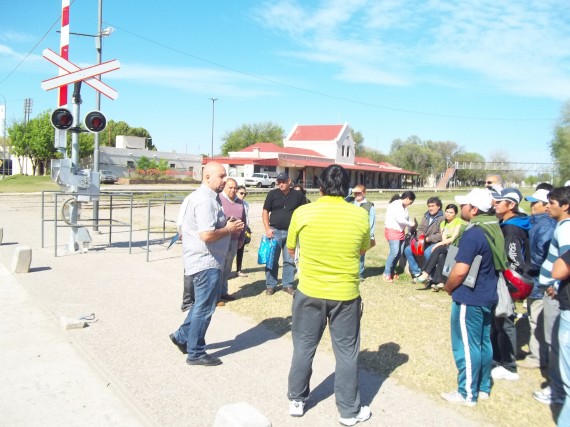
(477, 197)
(282, 177)
(539, 196)
(510, 194)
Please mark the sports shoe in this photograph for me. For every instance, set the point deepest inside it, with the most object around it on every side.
(289, 290)
(206, 360)
(500, 373)
(241, 274)
(228, 297)
(483, 395)
(181, 347)
(388, 279)
(456, 398)
(269, 290)
(362, 416)
(395, 277)
(422, 277)
(545, 396)
(296, 408)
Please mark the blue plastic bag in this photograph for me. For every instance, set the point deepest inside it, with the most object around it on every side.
(266, 252)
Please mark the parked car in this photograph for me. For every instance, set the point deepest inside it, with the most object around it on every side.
(108, 177)
(260, 180)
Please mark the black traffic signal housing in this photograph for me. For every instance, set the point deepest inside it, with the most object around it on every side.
(61, 119)
(95, 121)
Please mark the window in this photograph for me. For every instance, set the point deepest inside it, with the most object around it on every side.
(130, 164)
(172, 165)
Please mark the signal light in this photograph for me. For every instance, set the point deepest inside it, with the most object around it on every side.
(61, 119)
(95, 121)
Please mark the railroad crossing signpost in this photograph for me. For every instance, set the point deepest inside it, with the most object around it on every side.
(71, 73)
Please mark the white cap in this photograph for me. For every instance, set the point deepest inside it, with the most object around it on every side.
(539, 196)
(477, 197)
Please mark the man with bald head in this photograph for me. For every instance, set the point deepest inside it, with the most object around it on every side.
(206, 239)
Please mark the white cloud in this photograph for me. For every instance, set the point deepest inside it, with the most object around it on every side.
(512, 46)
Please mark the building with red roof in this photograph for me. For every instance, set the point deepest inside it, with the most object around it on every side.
(306, 151)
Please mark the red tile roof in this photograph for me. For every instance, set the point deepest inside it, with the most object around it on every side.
(269, 147)
(316, 133)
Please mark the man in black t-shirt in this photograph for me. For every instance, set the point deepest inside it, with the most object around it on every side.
(278, 209)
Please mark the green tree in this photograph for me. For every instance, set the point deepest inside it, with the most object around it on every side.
(108, 136)
(560, 144)
(249, 134)
(414, 155)
(33, 140)
(358, 142)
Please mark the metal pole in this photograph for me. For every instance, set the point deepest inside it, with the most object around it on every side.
(73, 211)
(99, 47)
(4, 137)
(213, 103)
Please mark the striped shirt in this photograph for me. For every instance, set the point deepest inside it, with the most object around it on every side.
(331, 233)
(559, 244)
(203, 213)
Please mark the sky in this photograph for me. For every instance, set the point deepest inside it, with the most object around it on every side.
(491, 76)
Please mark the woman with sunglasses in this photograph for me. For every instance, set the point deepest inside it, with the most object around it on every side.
(241, 193)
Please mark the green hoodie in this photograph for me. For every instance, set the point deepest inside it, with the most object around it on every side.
(490, 226)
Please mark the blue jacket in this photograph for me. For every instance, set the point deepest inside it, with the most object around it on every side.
(540, 234)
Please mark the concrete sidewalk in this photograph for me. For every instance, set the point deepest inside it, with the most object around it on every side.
(123, 369)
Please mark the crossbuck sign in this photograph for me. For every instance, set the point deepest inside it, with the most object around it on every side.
(74, 74)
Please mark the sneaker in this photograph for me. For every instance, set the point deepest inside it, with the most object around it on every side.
(545, 396)
(206, 360)
(362, 416)
(483, 395)
(422, 277)
(241, 274)
(395, 277)
(269, 290)
(296, 408)
(388, 279)
(500, 373)
(456, 398)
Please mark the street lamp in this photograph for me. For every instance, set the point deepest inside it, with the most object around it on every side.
(213, 103)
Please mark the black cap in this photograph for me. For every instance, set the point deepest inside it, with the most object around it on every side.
(282, 177)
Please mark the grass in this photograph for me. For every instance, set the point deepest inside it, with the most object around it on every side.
(27, 184)
(405, 333)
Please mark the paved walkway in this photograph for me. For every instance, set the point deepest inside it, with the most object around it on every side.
(122, 370)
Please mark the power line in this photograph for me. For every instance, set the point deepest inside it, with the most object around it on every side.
(313, 92)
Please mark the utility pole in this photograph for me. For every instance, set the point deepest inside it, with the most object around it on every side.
(3, 124)
(213, 103)
(28, 103)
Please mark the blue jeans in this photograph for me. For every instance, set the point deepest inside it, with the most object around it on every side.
(414, 267)
(289, 268)
(361, 271)
(564, 343)
(393, 256)
(472, 350)
(193, 331)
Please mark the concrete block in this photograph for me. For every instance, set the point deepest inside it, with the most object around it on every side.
(240, 414)
(22, 259)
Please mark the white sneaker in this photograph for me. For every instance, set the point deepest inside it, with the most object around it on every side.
(296, 408)
(457, 398)
(483, 395)
(545, 396)
(362, 416)
(500, 373)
